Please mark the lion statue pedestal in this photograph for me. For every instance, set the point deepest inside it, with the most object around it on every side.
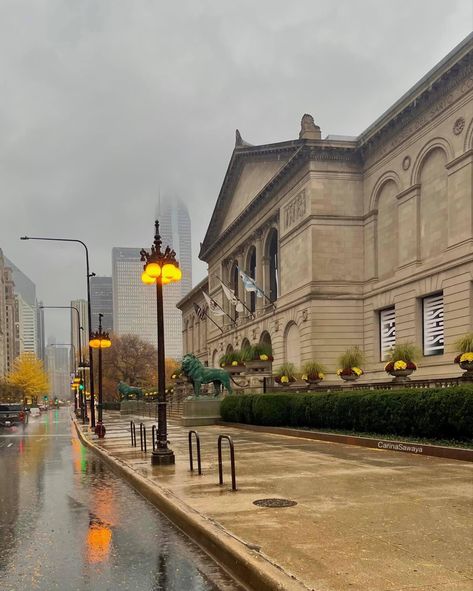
(200, 411)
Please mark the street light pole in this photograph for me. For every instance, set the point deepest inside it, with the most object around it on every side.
(100, 340)
(161, 268)
(89, 313)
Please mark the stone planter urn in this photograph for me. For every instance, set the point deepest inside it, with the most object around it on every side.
(350, 377)
(468, 367)
(234, 369)
(259, 366)
(401, 375)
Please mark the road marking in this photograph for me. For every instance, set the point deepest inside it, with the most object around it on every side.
(10, 444)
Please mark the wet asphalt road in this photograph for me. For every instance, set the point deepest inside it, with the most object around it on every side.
(68, 523)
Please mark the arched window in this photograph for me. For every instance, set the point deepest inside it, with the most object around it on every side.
(245, 344)
(215, 358)
(387, 229)
(273, 265)
(265, 338)
(251, 270)
(229, 348)
(292, 344)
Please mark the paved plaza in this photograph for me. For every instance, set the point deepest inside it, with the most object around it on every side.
(365, 520)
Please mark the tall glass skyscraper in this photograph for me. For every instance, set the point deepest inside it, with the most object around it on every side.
(101, 302)
(134, 304)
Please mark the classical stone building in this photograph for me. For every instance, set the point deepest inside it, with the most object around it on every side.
(355, 241)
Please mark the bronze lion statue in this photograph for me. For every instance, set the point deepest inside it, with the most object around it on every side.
(128, 392)
(199, 374)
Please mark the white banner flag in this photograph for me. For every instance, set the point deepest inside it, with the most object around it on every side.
(231, 297)
(214, 308)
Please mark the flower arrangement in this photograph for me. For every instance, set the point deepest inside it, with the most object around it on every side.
(285, 374)
(402, 358)
(350, 363)
(177, 374)
(312, 371)
(258, 352)
(465, 345)
(231, 359)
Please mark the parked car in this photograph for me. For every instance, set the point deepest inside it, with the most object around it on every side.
(43, 407)
(12, 414)
(35, 411)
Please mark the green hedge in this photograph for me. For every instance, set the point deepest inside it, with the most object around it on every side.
(111, 405)
(441, 413)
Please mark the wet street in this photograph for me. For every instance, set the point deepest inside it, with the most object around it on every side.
(68, 523)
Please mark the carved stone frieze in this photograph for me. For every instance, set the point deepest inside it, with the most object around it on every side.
(295, 210)
(459, 126)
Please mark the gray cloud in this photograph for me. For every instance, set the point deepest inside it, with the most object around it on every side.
(104, 104)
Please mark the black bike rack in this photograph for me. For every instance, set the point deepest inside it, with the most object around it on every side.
(133, 433)
(191, 459)
(143, 437)
(232, 460)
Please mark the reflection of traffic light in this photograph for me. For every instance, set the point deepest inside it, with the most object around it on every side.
(81, 386)
(56, 402)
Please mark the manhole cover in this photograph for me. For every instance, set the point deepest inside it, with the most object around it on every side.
(274, 503)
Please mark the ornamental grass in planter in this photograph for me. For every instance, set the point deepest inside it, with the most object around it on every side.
(401, 362)
(313, 372)
(232, 362)
(285, 374)
(350, 364)
(465, 358)
(258, 357)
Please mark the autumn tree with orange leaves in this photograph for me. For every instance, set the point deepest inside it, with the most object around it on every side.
(29, 374)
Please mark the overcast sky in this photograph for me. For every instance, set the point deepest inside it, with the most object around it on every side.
(104, 103)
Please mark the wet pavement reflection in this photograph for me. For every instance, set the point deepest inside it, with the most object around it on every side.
(68, 523)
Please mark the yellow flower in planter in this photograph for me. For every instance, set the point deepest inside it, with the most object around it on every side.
(173, 376)
(222, 365)
(234, 363)
(321, 376)
(466, 357)
(304, 377)
(284, 380)
(357, 371)
(339, 372)
(263, 357)
(400, 365)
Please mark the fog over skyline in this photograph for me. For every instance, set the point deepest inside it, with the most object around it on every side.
(107, 104)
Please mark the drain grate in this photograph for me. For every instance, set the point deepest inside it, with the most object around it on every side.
(274, 503)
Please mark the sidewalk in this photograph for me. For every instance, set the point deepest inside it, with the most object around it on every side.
(365, 519)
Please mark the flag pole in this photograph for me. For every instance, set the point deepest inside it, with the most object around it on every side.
(200, 310)
(259, 289)
(211, 320)
(217, 304)
(252, 314)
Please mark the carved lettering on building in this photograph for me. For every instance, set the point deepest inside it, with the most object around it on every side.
(295, 210)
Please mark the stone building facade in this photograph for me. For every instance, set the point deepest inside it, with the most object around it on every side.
(355, 241)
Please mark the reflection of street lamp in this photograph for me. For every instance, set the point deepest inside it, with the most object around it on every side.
(89, 313)
(160, 268)
(100, 340)
(79, 327)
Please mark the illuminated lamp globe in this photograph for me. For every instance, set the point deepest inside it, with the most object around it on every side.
(94, 343)
(105, 343)
(165, 280)
(153, 270)
(145, 278)
(168, 271)
(177, 274)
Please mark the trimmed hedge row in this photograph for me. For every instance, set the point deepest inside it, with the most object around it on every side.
(437, 413)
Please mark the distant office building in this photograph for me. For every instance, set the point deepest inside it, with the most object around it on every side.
(9, 339)
(25, 310)
(58, 364)
(40, 333)
(80, 305)
(101, 302)
(134, 304)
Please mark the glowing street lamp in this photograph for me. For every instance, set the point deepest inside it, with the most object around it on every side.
(160, 268)
(100, 340)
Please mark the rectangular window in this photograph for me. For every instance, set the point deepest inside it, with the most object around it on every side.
(387, 330)
(432, 313)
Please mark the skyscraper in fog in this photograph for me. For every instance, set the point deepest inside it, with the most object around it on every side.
(101, 302)
(134, 304)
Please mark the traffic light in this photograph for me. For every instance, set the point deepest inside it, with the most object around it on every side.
(45, 397)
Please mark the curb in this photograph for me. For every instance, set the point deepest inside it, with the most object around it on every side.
(439, 451)
(250, 568)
